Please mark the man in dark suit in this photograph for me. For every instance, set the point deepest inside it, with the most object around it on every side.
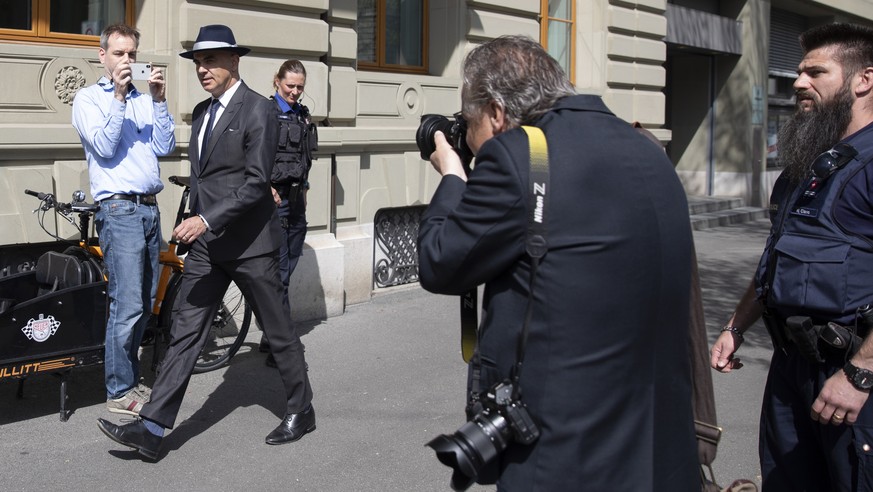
(234, 236)
(606, 373)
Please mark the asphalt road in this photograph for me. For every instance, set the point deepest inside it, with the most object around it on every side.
(387, 376)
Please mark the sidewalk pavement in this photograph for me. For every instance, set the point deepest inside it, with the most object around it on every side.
(387, 378)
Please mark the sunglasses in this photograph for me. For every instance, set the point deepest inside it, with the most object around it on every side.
(832, 160)
(825, 165)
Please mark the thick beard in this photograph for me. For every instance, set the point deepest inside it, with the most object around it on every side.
(809, 133)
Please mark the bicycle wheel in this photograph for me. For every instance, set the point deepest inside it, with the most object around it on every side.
(230, 324)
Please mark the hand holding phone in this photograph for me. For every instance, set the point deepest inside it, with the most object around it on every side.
(140, 71)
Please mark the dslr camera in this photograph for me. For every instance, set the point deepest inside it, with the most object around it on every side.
(502, 420)
(455, 131)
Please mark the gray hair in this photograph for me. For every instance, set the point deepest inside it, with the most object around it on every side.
(517, 73)
(122, 30)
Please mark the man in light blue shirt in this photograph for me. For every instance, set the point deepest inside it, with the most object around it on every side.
(123, 131)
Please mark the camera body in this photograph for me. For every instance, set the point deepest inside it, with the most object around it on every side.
(502, 420)
(140, 71)
(455, 131)
(498, 400)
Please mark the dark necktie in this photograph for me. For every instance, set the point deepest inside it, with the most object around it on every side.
(213, 107)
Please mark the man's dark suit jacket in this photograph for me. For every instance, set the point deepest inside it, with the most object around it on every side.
(232, 181)
(231, 189)
(607, 372)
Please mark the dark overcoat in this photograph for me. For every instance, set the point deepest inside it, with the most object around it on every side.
(607, 373)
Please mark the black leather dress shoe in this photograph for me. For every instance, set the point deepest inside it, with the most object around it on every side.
(133, 435)
(293, 427)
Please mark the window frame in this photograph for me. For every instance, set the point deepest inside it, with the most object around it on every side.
(379, 65)
(40, 31)
(544, 33)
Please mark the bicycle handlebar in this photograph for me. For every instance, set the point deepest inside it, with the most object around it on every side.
(49, 202)
(37, 194)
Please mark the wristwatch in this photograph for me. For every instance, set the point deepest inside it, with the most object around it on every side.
(860, 378)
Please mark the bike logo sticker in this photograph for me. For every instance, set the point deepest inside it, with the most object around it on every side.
(41, 329)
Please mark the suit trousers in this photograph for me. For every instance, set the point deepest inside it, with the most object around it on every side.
(202, 288)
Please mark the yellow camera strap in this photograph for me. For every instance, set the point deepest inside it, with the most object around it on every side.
(539, 150)
(535, 244)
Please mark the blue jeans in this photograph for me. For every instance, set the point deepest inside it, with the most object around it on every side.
(130, 237)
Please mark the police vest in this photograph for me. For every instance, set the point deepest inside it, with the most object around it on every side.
(820, 269)
(298, 139)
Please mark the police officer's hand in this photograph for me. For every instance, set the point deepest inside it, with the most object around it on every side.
(721, 356)
(839, 402)
(444, 159)
(276, 198)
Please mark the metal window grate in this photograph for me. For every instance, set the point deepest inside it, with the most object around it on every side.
(395, 257)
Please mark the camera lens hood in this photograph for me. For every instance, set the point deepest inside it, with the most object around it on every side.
(424, 136)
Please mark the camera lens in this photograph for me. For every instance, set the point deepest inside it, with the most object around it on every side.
(472, 447)
(424, 136)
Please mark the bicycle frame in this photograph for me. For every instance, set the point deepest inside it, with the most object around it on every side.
(169, 260)
(80, 302)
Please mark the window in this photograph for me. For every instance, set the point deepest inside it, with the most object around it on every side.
(558, 33)
(77, 22)
(392, 34)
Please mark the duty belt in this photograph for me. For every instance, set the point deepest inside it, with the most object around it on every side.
(815, 340)
(285, 190)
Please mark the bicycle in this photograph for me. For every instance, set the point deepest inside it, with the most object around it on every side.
(230, 323)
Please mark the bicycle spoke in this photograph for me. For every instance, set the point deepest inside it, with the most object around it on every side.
(227, 333)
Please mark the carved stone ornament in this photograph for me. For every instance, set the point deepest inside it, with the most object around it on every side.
(68, 81)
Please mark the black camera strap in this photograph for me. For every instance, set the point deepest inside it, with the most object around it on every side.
(535, 247)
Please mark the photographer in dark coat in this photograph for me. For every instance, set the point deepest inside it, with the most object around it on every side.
(606, 374)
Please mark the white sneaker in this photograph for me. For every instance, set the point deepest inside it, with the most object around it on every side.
(127, 404)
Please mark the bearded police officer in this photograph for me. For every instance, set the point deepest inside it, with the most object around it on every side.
(815, 277)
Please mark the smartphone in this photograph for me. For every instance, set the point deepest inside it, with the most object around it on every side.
(140, 71)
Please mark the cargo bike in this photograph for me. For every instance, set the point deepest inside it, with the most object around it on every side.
(53, 316)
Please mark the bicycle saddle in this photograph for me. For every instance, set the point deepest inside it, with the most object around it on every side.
(181, 180)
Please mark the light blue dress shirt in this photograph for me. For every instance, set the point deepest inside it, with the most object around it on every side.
(122, 141)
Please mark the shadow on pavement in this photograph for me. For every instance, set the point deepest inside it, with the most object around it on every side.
(247, 381)
(41, 394)
(724, 277)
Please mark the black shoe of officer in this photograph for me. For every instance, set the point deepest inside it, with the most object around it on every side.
(133, 435)
(264, 346)
(293, 427)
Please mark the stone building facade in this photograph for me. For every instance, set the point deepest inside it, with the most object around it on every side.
(374, 68)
